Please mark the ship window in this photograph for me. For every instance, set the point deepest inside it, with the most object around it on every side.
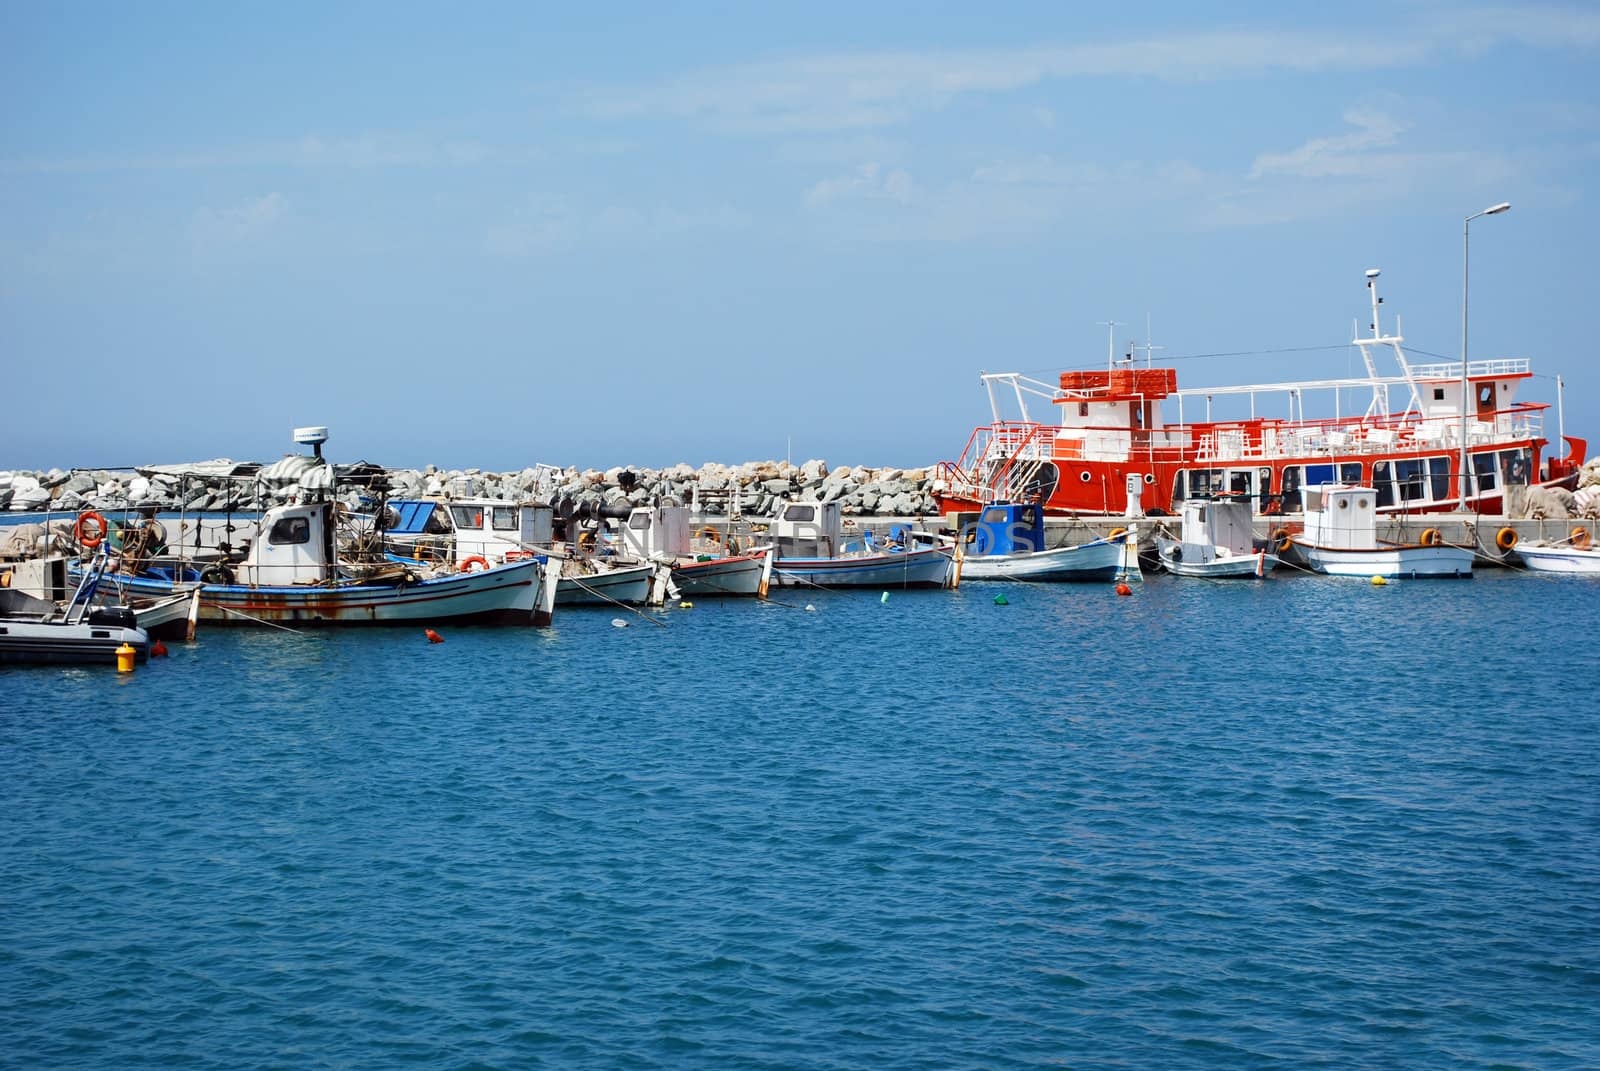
(290, 530)
(1028, 516)
(1149, 477)
(800, 513)
(1203, 482)
(1344, 503)
(1381, 477)
(1483, 466)
(467, 516)
(1317, 475)
(1514, 464)
(639, 522)
(1438, 394)
(1409, 474)
(1083, 409)
(504, 518)
(1084, 475)
(1439, 477)
(1289, 488)
(1350, 472)
(994, 516)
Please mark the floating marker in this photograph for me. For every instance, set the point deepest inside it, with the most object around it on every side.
(686, 605)
(1001, 600)
(810, 609)
(158, 650)
(433, 637)
(1378, 582)
(617, 622)
(1123, 589)
(885, 597)
(125, 656)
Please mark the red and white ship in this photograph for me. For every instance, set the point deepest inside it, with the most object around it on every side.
(1111, 451)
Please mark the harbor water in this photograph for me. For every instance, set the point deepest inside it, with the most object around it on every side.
(1298, 823)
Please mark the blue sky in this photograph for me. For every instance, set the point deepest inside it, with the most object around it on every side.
(499, 234)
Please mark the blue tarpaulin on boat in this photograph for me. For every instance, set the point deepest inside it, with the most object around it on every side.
(413, 516)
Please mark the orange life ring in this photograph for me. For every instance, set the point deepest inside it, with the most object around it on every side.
(1505, 538)
(710, 534)
(1114, 533)
(1430, 537)
(1580, 538)
(80, 533)
(466, 563)
(585, 540)
(1283, 538)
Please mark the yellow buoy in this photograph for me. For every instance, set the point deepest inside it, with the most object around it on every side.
(686, 605)
(125, 656)
(1378, 581)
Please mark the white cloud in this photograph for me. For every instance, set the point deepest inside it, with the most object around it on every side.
(869, 182)
(863, 90)
(1338, 154)
(238, 224)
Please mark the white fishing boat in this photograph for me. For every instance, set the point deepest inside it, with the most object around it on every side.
(811, 551)
(1218, 542)
(1574, 554)
(474, 533)
(721, 568)
(1007, 542)
(293, 573)
(1341, 539)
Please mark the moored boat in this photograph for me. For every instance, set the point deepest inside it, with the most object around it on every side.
(1111, 450)
(1574, 554)
(811, 551)
(1217, 543)
(1340, 539)
(39, 630)
(1007, 542)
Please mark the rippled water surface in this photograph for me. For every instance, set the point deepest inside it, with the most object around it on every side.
(1298, 823)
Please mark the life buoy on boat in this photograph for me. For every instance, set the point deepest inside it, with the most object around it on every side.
(1283, 539)
(216, 574)
(1430, 537)
(476, 559)
(1580, 538)
(1505, 538)
(1114, 533)
(585, 540)
(710, 534)
(80, 529)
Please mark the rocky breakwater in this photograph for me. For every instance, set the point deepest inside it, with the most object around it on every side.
(753, 488)
(1554, 503)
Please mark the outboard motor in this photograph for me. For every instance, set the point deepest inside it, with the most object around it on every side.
(114, 616)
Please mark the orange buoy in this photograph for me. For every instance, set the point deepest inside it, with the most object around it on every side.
(1123, 589)
(158, 650)
(433, 637)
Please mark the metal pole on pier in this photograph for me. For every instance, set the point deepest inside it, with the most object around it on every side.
(1465, 399)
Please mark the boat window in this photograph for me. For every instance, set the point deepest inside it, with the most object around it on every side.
(1381, 477)
(994, 516)
(1438, 394)
(1483, 467)
(1439, 477)
(503, 518)
(1514, 466)
(290, 530)
(1204, 482)
(1409, 474)
(1290, 485)
(1350, 472)
(1083, 409)
(639, 522)
(435, 524)
(467, 516)
(1317, 475)
(1028, 516)
(800, 513)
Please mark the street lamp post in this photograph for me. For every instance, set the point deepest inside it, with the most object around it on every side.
(1465, 387)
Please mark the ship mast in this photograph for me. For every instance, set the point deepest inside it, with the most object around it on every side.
(1379, 406)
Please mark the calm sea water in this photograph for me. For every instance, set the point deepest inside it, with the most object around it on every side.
(1299, 823)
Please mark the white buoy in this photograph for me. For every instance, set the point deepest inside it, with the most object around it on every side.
(617, 622)
(810, 609)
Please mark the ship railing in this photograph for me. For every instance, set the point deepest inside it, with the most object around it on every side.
(996, 458)
(1500, 366)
